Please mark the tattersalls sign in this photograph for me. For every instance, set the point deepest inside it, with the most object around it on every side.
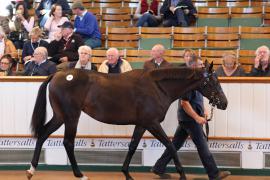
(118, 143)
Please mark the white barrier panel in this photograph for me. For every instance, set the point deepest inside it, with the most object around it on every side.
(247, 114)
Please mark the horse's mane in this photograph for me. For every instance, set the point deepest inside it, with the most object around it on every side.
(174, 73)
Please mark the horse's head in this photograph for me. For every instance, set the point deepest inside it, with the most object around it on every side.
(211, 89)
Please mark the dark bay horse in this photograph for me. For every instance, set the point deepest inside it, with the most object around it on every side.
(136, 97)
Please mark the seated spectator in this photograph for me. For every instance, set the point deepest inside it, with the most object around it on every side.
(188, 55)
(84, 62)
(114, 63)
(45, 6)
(157, 60)
(20, 25)
(86, 25)
(6, 63)
(56, 19)
(261, 62)
(230, 67)
(34, 42)
(65, 47)
(178, 13)
(147, 13)
(6, 46)
(39, 65)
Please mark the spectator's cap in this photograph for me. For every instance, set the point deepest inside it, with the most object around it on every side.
(66, 24)
(77, 5)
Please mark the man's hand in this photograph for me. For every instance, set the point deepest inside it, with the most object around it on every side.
(186, 11)
(42, 12)
(201, 120)
(257, 60)
(27, 58)
(172, 9)
(63, 59)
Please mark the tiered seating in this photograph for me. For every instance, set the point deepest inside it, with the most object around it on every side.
(222, 38)
(246, 16)
(253, 37)
(122, 37)
(246, 59)
(213, 16)
(116, 17)
(191, 37)
(151, 36)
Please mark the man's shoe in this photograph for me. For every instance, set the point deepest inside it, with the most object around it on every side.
(161, 175)
(223, 175)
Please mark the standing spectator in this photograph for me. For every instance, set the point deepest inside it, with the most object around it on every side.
(56, 19)
(65, 48)
(6, 46)
(261, 62)
(20, 25)
(40, 66)
(147, 13)
(114, 63)
(34, 42)
(6, 64)
(230, 67)
(44, 9)
(191, 116)
(5, 14)
(84, 62)
(178, 13)
(157, 60)
(86, 25)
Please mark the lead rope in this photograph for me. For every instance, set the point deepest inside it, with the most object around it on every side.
(206, 124)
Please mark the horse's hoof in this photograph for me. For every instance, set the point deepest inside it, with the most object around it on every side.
(29, 174)
(84, 178)
(183, 178)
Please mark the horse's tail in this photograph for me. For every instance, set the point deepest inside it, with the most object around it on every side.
(39, 113)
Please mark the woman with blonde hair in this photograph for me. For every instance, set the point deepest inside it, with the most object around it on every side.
(34, 42)
(6, 46)
(230, 67)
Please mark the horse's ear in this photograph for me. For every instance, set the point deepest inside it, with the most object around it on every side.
(206, 64)
(211, 67)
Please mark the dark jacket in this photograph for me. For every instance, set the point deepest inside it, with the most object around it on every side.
(149, 65)
(63, 48)
(165, 9)
(44, 69)
(28, 47)
(259, 72)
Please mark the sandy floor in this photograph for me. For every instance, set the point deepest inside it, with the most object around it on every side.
(66, 175)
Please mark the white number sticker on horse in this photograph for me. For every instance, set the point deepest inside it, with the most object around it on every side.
(69, 77)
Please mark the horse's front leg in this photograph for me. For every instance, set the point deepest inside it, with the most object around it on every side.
(136, 137)
(157, 131)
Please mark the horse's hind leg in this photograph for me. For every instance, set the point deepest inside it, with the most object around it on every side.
(49, 128)
(69, 138)
(136, 137)
(157, 131)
